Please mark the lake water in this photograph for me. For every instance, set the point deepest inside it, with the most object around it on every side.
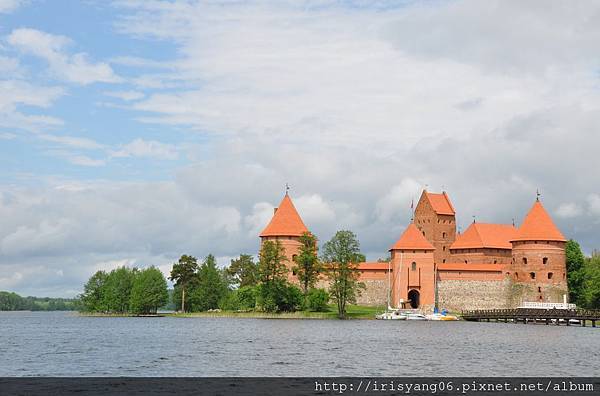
(64, 344)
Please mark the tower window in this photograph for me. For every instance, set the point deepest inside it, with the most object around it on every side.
(532, 275)
(516, 275)
(444, 260)
(495, 261)
(545, 260)
(525, 260)
(423, 233)
(294, 256)
(443, 235)
(413, 266)
(539, 289)
(550, 275)
(444, 248)
(466, 262)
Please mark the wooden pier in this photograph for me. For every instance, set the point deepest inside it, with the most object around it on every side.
(529, 315)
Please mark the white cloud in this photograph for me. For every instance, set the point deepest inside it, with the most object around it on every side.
(147, 148)
(568, 210)
(72, 141)
(74, 68)
(594, 204)
(8, 6)
(396, 203)
(314, 209)
(125, 95)
(7, 136)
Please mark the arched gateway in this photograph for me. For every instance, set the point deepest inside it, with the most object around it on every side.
(413, 297)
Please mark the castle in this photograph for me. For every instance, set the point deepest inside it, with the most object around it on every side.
(486, 266)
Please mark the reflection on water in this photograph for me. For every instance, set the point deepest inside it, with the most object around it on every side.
(64, 344)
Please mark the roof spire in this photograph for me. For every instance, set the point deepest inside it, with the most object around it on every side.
(412, 210)
(287, 189)
(473, 219)
(513, 220)
(537, 195)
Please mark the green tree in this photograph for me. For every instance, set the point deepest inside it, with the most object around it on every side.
(271, 265)
(307, 266)
(317, 300)
(182, 273)
(341, 256)
(211, 285)
(575, 271)
(590, 290)
(149, 291)
(244, 271)
(92, 299)
(117, 289)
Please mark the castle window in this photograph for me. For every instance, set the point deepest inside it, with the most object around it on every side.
(444, 260)
(545, 260)
(466, 261)
(413, 266)
(550, 274)
(444, 248)
(495, 261)
(524, 260)
(563, 275)
(423, 233)
(532, 275)
(294, 272)
(516, 275)
(443, 235)
(539, 289)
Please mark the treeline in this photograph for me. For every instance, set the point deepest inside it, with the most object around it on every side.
(13, 302)
(244, 285)
(583, 277)
(125, 291)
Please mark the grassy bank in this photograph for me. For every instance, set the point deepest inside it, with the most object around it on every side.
(354, 312)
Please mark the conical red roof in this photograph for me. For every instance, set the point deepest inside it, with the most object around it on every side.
(484, 235)
(285, 221)
(538, 226)
(412, 238)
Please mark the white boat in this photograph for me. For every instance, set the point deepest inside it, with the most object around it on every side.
(439, 316)
(391, 315)
(415, 316)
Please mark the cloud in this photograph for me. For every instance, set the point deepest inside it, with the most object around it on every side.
(75, 68)
(8, 6)
(125, 95)
(146, 148)
(568, 210)
(594, 204)
(16, 93)
(72, 141)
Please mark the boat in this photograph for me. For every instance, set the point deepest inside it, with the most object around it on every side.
(391, 315)
(439, 316)
(415, 316)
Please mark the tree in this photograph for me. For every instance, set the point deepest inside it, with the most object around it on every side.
(590, 291)
(117, 289)
(575, 271)
(182, 273)
(92, 298)
(271, 265)
(317, 300)
(244, 271)
(307, 266)
(149, 291)
(341, 256)
(211, 286)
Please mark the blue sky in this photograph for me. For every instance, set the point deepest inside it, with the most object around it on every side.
(132, 132)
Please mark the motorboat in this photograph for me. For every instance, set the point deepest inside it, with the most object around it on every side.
(439, 316)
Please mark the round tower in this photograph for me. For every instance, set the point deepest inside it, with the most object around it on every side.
(538, 257)
(413, 270)
(286, 226)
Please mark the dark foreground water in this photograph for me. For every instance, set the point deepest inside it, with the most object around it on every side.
(64, 344)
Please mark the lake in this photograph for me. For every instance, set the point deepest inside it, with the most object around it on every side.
(64, 344)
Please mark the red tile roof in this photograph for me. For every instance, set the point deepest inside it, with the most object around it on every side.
(285, 221)
(373, 266)
(412, 239)
(482, 235)
(470, 267)
(440, 203)
(538, 226)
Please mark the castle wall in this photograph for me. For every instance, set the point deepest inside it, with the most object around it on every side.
(481, 256)
(468, 293)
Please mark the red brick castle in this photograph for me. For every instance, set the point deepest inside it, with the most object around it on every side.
(487, 266)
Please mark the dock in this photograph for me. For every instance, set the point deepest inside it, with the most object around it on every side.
(533, 315)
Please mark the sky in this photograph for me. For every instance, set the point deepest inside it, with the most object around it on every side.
(132, 132)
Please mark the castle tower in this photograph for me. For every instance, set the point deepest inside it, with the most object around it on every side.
(286, 226)
(538, 257)
(436, 219)
(484, 243)
(413, 275)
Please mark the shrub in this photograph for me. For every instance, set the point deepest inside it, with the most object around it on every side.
(278, 296)
(317, 300)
